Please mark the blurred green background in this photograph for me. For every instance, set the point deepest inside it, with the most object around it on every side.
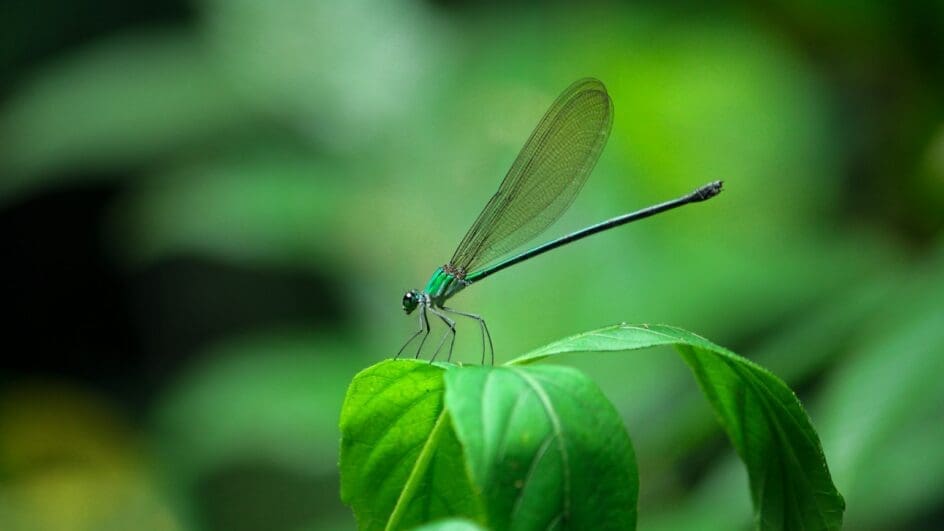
(210, 210)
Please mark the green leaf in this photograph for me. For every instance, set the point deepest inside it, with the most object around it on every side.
(790, 482)
(401, 464)
(452, 524)
(544, 447)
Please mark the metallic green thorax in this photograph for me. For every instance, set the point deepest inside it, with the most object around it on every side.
(443, 285)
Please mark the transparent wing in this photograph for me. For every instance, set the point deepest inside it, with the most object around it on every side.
(544, 179)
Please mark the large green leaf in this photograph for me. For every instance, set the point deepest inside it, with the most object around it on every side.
(790, 483)
(401, 464)
(518, 447)
(544, 447)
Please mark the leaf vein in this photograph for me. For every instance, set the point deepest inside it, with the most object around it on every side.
(558, 432)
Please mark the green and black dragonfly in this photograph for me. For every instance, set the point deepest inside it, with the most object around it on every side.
(542, 183)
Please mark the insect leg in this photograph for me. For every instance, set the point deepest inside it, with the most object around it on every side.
(484, 329)
(424, 322)
(452, 330)
(423, 328)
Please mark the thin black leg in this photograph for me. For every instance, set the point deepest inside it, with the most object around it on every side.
(424, 320)
(452, 331)
(423, 328)
(484, 329)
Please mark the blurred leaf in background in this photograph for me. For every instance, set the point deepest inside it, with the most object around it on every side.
(257, 419)
(212, 210)
(70, 462)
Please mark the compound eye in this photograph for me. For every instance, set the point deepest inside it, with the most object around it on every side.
(410, 301)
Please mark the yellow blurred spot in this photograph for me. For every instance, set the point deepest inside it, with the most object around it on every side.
(68, 462)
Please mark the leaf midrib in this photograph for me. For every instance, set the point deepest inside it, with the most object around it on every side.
(416, 474)
(771, 401)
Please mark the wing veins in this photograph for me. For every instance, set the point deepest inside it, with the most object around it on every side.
(558, 157)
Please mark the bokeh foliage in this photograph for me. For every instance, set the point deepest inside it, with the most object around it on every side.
(349, 145)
